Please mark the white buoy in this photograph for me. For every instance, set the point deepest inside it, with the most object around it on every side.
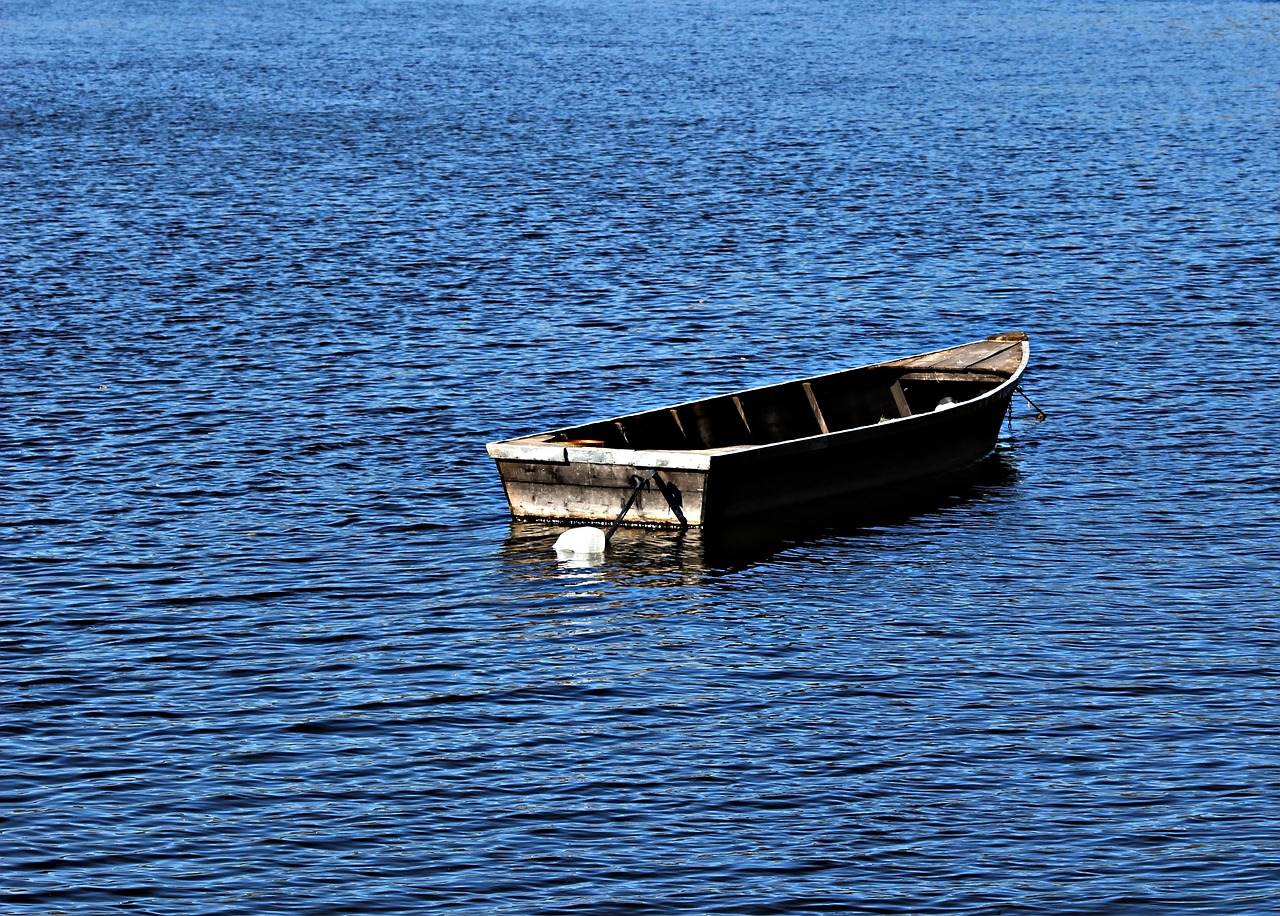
(581, 542)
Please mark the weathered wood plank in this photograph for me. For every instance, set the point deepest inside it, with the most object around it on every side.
(900, 400)
(742, 414)
(957, 357)
(598, 492)
(1005, 362)
(988, 377)
(619, 476)
(526, 451)
(675, 415)
(817, 411)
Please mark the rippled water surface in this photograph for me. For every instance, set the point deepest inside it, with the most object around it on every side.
(272, 274)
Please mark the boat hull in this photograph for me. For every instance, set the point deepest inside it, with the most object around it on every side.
(872, 465)
(555, 477)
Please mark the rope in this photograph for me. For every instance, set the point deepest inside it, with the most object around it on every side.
(1039, 413)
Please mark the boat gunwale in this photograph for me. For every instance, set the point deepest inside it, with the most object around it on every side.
(518, 449)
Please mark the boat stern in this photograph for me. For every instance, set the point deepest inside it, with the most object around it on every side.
(560, 481)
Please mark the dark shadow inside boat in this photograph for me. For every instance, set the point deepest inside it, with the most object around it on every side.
(738, 545)
(842, 401)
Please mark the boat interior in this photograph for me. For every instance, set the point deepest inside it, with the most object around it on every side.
(811, 407)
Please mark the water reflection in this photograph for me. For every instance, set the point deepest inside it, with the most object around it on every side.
(664, 555)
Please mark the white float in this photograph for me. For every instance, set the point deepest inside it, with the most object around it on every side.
(581, 542)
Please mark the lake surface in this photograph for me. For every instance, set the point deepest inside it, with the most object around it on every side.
(272, 274)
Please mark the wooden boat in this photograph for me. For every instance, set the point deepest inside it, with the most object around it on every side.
(854, 434)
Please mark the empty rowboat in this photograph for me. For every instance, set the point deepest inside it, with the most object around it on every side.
(863, 433)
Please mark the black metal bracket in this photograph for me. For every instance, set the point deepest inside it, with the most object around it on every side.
(669, 491)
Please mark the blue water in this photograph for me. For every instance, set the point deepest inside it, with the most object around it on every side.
(272, 274)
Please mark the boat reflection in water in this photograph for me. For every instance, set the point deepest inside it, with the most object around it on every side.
(650, 552)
